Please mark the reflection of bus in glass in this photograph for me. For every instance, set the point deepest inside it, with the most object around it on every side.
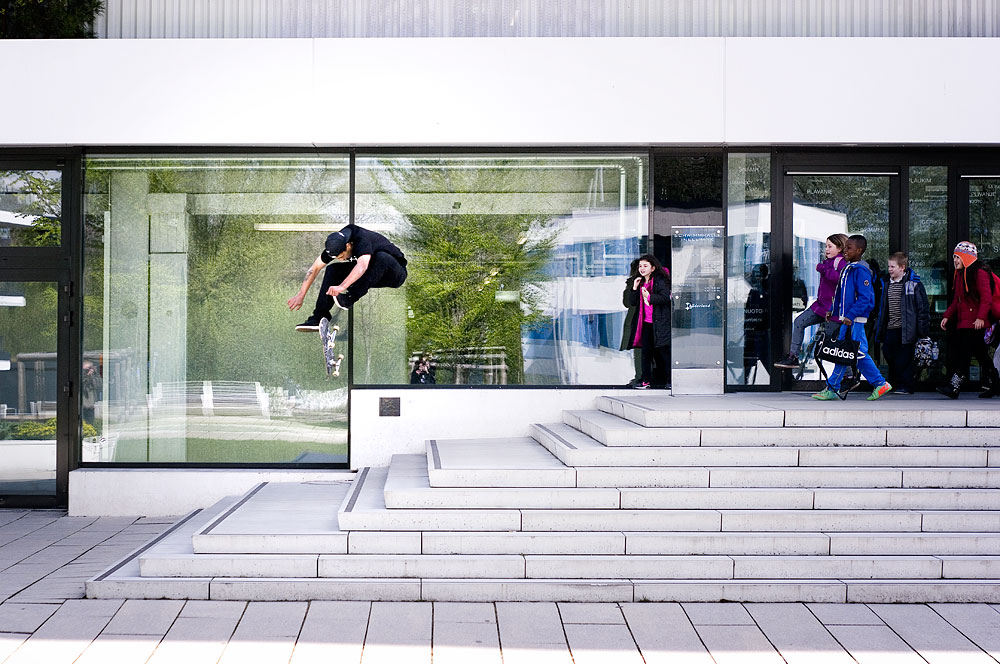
(578, 343)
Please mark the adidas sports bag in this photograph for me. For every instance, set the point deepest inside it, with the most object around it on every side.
(839, 351)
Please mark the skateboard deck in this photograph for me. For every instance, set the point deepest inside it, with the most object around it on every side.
(328, 337)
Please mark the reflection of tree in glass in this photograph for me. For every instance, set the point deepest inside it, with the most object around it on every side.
(461, 262)
(39, 196)
(238, 276)
(863, 199)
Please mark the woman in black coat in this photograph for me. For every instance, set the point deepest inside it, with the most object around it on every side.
(650, 295)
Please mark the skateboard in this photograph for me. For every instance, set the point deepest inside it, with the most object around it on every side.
(328, 337)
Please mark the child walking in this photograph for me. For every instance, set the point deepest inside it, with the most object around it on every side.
(971, 298)
(829, 270)
(854, 301)
(903, 317)
(650, 295)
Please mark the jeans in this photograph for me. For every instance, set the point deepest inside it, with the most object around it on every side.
(384, 271)
(865, 363)
(808, 318)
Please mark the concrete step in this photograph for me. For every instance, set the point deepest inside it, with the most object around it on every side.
(934, 544)
(690, 412)
(575, 448)
(123, 579)
(795, 410)
(614, 431)
(525, 462)
(407, 486)
(364, 508)
(279, 518)
(495, 462)
(179, 564)
(585, 590)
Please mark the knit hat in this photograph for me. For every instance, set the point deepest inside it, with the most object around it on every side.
(966, 252)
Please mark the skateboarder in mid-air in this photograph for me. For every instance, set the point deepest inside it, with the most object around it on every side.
(356, 260)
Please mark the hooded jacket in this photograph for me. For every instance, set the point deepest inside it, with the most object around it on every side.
(914, 310)
(855, 297)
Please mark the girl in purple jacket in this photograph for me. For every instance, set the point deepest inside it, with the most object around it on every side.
(829, 272)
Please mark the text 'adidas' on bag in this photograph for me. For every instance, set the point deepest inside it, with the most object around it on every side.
(839, 351)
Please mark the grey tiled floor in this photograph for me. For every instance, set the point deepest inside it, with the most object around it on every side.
(45, 557)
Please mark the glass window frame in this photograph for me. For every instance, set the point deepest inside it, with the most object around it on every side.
(57, 264)
(79, 251)
(492, 152)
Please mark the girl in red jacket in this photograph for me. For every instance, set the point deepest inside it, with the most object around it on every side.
(969, 310)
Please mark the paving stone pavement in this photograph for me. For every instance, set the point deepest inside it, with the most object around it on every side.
(45, 557)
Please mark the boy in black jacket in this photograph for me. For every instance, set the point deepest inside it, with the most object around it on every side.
(903, 317)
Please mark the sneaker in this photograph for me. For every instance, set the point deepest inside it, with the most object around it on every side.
(641, 386)
(788, 362)
(346, 301)
(309, 325)
(826, 395)
(880, 391)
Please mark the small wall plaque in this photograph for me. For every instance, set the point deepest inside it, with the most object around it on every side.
(388, 406)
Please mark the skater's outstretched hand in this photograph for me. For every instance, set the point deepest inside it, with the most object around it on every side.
(295, 301)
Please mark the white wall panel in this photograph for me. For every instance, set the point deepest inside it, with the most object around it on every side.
(129, 19)
(862, 91)
(482, 92)
(529, 91)
(211, 92)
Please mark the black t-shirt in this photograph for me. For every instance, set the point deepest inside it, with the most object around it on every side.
(365, 242)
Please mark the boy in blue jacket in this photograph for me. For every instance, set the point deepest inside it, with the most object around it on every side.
(855, 299)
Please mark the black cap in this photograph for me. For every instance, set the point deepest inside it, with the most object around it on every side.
(337, 242)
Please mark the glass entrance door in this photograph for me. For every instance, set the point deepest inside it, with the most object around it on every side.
(39, 417)
(29, 390)
(822, 205)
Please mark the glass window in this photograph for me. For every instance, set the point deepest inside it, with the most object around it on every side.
(929, 253)
(29, 388)
(984, 218)
(516, 266)
(191, 349)
(748, 298)
(30, 208)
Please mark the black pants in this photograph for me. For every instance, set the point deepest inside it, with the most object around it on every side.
(651, 352)
(384, 271)
(899, 357)
(963, 345)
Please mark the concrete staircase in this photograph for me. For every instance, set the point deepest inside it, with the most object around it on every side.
(734, 498)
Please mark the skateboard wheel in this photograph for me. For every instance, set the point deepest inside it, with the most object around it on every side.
(337, 373)
(336, 328)
(340, 357)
